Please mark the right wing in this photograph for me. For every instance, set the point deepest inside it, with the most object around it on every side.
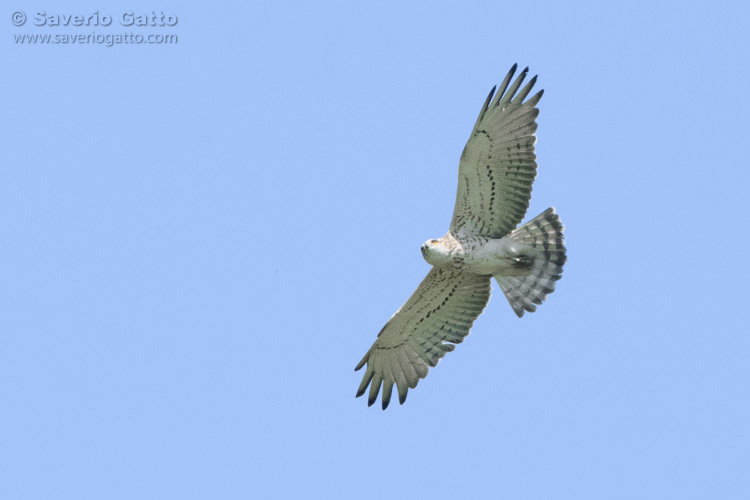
(498, 164)
(438, 315)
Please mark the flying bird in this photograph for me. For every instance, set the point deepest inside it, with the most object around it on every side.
(495, 174)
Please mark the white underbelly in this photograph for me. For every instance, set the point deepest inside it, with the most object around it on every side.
(496, 257)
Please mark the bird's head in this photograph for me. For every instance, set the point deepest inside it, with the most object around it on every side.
(440, 252)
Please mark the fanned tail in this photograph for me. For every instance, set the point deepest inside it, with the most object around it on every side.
(544, 233)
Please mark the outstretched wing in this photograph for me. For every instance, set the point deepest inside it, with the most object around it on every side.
(498, 164)
(438, 315)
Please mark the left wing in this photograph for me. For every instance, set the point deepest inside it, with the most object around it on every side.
(438, 315)
(498, 164)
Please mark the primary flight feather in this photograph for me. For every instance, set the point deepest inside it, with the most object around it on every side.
(495, 174)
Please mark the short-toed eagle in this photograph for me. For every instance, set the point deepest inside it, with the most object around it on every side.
(495, 174)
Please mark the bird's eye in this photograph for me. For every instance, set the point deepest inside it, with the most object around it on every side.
(434, 242)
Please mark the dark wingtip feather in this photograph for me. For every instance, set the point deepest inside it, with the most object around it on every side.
(521, 77)
(366, 379)
(487, 102)
(532, 82)
(402, 399)
(485, 106)
(361, 363)
(507, 90)
(374, 390)
(526, 90)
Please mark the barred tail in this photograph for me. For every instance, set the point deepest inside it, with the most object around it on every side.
(544, 233)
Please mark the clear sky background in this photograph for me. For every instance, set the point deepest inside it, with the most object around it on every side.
(200, 240)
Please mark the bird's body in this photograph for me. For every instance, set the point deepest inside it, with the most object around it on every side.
(496, 172)
(478, 255)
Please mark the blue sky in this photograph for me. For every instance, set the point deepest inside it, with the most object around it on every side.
(202, 239)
